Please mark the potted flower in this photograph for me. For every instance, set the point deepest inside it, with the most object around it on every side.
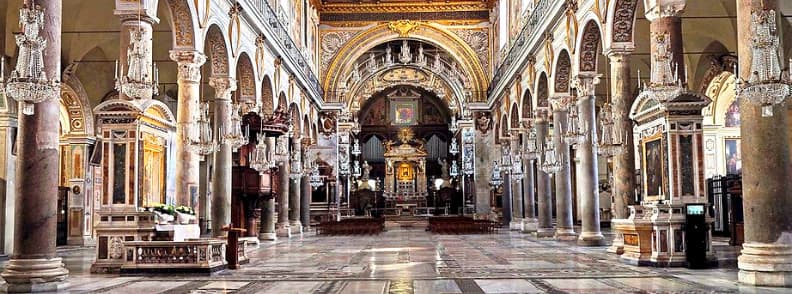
(185, 215)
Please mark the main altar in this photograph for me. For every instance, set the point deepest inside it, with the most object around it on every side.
(405, 172)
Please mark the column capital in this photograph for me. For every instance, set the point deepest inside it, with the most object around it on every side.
(657, 9)
(223, 86)
(190, 63)
(560, 103)
(586, 83)
(541, 115)
(145, 10)
(619, 51)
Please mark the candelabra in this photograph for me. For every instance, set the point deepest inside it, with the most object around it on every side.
(258, 158)
(495, 178)
(551, 162)
(454, 169)
(611, 134)
(517, 167)
(356, 172)
(768, 85)
(28, 83)
(576, 130)
(316, 178)
(295, 166)
(201, 138)
(233, 135)
(665, 82)
(531, 150)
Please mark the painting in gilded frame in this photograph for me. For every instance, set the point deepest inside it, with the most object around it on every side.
(653, 166)
(404, 112)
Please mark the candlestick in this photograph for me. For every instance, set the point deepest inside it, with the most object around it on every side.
(2, 69)
(115, 71)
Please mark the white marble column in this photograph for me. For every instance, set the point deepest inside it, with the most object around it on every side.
(187, 175)
(516, 188)
(294, 189)
(587, 174)
(563, 178)
(221, 183)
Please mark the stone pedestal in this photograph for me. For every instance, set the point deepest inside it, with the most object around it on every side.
(764, 264)
(221, 182)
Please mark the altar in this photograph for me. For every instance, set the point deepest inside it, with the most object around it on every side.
(405, 174)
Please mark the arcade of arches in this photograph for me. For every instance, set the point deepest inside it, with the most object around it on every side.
(399, 146)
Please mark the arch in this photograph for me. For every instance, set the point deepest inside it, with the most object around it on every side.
(294, 115)
(563, 71)
(542, 91)
(282, 104)
(589, 47)
(267, 96)
(515, 117)
(504, 126)
(621, 17)
(306, 126)
(721, 91)
(462, 53)
(216, 49)
(76, 107)
(183, 24)
(527, 104)
(246, 89)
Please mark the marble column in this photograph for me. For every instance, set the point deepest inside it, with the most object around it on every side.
(624, 162)
(587, 173)
(766, 257)
(543, 183)
(305, 200)
(187, 175)
(506, 199)
(282, 228)
(516, 188)
(34, 265)
(135, 17)
(294, 189)
(529, 220)
(267, 231)
(563, 178)
(221, 183)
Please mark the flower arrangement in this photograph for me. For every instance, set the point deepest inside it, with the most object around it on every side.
(185, 210)
(163, 208)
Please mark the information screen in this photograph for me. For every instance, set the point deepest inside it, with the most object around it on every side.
(696, 209)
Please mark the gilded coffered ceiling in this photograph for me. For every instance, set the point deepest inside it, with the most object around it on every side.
(387, 10)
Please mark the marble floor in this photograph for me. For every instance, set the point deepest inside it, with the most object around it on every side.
(410, 260)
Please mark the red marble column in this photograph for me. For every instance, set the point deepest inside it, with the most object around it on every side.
(34, 265)
(766, 257)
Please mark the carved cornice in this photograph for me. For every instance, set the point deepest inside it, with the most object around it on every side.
(418, 6)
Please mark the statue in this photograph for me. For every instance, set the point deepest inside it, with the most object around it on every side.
(389, 169)
(389, 146)
(366, 171)
(443, 169)
(483, 122)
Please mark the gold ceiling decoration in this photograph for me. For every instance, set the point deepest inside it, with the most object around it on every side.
(403, 27)
(342, 6)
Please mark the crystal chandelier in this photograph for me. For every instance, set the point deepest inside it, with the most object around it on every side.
(576, 130)
(142, 78)
(506, 159)
(232, 135)
(665, 82)
(551, 162)
(316, 178)
(495, 178)
(28, 83)
(768, 85)
(531, 150)
(454, 169)
(454, 126)
(295, 167)
(610, 139)
(517, 168)
(201, 139)
(356, 172)
(454, 150)
(355, 147)
(258, 156)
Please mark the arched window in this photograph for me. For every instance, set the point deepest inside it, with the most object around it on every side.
(732, 117)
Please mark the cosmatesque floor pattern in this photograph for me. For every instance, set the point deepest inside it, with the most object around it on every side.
(410, 260)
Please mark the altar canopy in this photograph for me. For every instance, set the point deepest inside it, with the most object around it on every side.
(405, 172)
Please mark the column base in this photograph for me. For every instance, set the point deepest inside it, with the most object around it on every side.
(268, 237)
(763, 264)
(529, 225)
(565, 234)
(516, 225)
(283, 230)
(617, 246)
(296, 227)
(34, 275)
(591, 239)
(544, 233)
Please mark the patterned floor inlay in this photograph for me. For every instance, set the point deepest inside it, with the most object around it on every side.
(407, 260)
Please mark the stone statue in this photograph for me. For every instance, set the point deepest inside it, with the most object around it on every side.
(366, 171)
(443, 169)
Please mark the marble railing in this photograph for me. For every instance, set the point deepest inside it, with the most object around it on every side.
(202, 256)
(113, 230)
(261, 11)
